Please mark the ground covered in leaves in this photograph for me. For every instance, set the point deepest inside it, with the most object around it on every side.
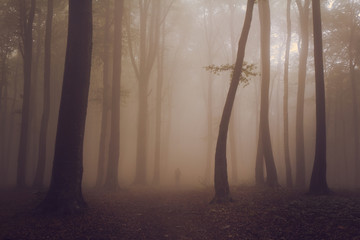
(140, 213)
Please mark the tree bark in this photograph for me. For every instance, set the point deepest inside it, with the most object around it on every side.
(26, 25)
(318, 184)
(264, 14)
(111, 181)
(65, 195)
(40, 169)
(222, 192)
(289, 182)
(300, 148)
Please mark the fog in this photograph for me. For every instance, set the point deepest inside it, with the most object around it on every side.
(192, 36)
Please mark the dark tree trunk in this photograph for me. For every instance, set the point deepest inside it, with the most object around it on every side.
(300, 149)
(264, 13)
(222, 192)
(40, 169)
(318, 184)
(111, 181)
(232, 129)
(65, 195)
(289, 182)
(26, 25)
(106, 102)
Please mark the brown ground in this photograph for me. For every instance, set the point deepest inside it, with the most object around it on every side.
(186, 214)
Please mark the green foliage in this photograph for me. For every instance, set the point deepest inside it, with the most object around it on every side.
(248, 71)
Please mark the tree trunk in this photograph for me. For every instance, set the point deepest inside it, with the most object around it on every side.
(318, 184)
(300, 149)
(149, 43)
(105, 103)
(159, 87)
(26, 25)
(111, 181)
(264, 13)
(40, 169)
(259, 165)
(222, 192)
(289, 182)
(232, 128)
(354, 102)
(65, 195)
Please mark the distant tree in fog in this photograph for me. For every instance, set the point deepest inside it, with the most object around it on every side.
(353, 45)
(26, 17)
(304, 48)
(105, 98)
(318, 184)
(289, 182)
(222, 192)
(264, 129)
(65, 195)
(143, 64)
(40, 168)
(111, 180)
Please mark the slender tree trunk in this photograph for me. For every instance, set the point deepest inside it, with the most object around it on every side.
(26, 25)
(3, 118)
(222, 192)
(105, 103)
(259, 165)
(65, 195)
(318, 184)
(264, 13)
(354, 102)
(10, 136)
(232, 129)
(289, 182)
(159, 87)
(300, 149)
(209, 37)
(149, 43)
(210, 134)
(40, 169)
(111, 181)
(34, 120)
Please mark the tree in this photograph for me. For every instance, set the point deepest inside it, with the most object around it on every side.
(304, 35)
(105, 98)
(264, 130)
(318, 184)
(222, 192)
(65, 195)
(111, 181)
(40, 169)
(352, 64)
(148, 49)
(210, 36)
(289, 182)
(26, 26)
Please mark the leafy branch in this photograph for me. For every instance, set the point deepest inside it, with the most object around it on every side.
(248, 71)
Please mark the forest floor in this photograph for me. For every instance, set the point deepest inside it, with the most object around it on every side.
(140, 213)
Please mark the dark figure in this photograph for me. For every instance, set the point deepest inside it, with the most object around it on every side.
(177, 176)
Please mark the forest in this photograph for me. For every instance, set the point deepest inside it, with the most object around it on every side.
(179, 119)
